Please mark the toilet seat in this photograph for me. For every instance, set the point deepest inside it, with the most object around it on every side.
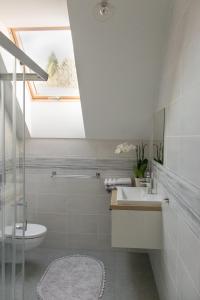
(33, 231)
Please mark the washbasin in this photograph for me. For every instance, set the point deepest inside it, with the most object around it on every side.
(137, 195)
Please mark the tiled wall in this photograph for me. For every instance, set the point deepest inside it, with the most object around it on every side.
(9, 187)
(177, 266)
(75, 211)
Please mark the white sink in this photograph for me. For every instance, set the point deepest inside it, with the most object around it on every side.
(137, 195)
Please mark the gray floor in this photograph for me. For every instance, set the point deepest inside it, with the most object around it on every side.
(128, 275)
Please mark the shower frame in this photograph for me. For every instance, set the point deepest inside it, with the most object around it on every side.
(24, 59)
(38, 74)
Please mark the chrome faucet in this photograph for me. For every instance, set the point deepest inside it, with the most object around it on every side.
(148, 181)
(149, 186)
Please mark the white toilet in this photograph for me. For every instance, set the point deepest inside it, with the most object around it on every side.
(34, 236)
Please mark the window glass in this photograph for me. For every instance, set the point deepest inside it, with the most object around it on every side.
(52, 50)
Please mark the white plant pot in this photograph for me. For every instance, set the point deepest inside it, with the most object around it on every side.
(138, 182)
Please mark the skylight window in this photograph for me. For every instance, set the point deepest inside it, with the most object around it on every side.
(52, 50)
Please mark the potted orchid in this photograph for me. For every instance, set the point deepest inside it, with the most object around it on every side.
(142, 162)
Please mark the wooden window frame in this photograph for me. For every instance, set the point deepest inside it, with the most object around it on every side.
(16, 39)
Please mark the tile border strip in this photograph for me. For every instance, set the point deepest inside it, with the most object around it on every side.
(185, 195)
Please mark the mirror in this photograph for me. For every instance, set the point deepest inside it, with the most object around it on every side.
(158, 136)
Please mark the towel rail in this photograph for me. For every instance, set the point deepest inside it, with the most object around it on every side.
(55, 175)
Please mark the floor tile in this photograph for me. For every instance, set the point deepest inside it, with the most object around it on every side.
(128, 275)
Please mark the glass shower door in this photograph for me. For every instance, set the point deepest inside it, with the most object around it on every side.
(12, 164)
(12, 201)
(2, 193)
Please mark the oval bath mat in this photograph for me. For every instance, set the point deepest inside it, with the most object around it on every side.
(75, 277)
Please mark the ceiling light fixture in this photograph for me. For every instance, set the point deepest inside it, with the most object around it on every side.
(103, 10)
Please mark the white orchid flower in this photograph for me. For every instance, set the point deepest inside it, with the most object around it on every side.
(132, 147)
(124, 148)
(117, 151)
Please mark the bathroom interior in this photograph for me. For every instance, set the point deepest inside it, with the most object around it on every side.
(99, 145)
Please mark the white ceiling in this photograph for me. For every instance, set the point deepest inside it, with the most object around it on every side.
(27, 13)
(118, 65)
(118, 61)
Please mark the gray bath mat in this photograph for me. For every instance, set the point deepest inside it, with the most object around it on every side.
(74, 277)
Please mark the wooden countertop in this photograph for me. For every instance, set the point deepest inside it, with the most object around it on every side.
(115, 206)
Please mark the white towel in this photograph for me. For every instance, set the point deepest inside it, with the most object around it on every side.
(117, 181)
(111, 183)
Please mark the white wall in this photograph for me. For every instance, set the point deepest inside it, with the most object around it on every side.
(177, 266)
(118, 65)
(75, 211)
(57, 119)
(50, 119)
(7, 65)
(180, 92)
(34, 13)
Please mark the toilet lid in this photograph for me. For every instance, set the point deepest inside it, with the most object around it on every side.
(33, 231)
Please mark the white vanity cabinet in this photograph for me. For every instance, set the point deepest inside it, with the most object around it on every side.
(136, 226)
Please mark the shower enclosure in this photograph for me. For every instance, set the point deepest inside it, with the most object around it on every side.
(15, 69)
